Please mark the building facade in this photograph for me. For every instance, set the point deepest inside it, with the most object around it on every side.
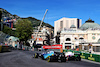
(42, 37)
(86, 37)
(66, 23)
(50, 31)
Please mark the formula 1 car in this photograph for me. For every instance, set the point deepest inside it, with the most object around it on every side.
(43, 55)
(72, 56)
(51, 56)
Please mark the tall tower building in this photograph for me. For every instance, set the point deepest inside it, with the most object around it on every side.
(66, 23)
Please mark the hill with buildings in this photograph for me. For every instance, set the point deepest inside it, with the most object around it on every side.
(5, 13)
(35, 22)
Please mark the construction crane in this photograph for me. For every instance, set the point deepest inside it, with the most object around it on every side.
(40, 27)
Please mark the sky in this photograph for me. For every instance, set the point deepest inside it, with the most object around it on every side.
(57, 9)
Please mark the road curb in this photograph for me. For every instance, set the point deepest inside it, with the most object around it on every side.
(90, 61)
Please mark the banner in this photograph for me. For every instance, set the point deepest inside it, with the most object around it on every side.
(58, 46)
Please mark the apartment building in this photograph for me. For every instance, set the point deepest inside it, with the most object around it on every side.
(66, 23)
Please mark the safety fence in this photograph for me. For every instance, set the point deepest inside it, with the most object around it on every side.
(89, 56)
(6, 48)
(26, 48)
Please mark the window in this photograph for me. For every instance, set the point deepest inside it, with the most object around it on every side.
(61, 24)
(98, 34)
(75, 38)
(99, 40)
(81, 38)
(97, 48)
(94, 48)
(72, 22)
(68, 39)
(93, 34)
(67, 23)
(85, 47)
(82, 34)
(67, 47)
(67, 43)
(93, 37)
(78, 23)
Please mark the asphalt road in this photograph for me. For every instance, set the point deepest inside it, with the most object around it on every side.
(19, 58)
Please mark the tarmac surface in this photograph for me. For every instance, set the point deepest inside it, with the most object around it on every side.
(20, 58)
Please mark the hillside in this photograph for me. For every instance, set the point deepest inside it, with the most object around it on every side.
(5, 13)
(35, 22)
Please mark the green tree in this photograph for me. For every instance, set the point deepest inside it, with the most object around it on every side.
(7, 30)
(24, 29)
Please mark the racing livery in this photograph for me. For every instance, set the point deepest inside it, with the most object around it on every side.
(55, 55)
(72, 56)
(51, 56)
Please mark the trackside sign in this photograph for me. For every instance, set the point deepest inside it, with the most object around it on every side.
(58, 46)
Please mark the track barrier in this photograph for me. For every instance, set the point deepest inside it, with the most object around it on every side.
(5, 48)
(88, 56)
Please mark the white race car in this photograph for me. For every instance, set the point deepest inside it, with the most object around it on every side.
(72, 56)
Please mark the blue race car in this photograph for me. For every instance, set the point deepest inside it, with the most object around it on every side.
(43, 55)
(51, 56)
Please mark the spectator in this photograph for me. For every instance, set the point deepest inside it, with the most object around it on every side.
(5, 43)
(77, 49)
(15, 46)
(90, 50)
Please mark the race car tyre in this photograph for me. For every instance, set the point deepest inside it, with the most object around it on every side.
(35, 55)
(42, 57)
(71, 58)
(78, 59)
(50, 59)
(62, 59)
(59, 61)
